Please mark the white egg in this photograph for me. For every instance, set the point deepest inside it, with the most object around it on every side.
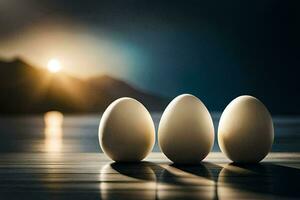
(186, 131)
(245, 132)
(126, 131)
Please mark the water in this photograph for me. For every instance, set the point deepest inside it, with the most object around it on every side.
(79, 133)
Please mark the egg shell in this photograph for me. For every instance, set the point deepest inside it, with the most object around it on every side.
(126, 131)
(245, 132)
(186, 131)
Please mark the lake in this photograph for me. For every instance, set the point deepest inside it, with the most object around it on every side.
(79, 133)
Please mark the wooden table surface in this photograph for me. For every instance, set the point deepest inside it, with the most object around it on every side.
(94, 176)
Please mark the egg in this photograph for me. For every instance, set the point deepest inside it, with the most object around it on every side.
(126, 131)
(186, 131)
(245, 132)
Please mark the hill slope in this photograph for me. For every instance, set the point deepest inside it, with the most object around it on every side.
(27, 89)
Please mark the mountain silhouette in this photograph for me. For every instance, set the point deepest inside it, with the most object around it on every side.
(28, 89)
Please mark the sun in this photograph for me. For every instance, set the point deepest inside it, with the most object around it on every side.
(54, 65)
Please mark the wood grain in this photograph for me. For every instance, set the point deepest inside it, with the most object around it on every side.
(94, 176)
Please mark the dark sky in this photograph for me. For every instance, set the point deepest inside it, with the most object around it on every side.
(216, 50)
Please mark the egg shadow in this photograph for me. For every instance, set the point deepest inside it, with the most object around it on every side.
(139, 170)
(128, 181)
(258, 181)
(203, 169)
(186, 182)
(159, 181)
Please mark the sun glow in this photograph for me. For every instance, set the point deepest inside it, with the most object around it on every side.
(54, 65)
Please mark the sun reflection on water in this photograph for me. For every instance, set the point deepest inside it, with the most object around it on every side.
(53, 131)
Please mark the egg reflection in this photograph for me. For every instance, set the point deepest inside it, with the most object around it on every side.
(127, 181)
(239, 182)
(53, 131)
(186, 182)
